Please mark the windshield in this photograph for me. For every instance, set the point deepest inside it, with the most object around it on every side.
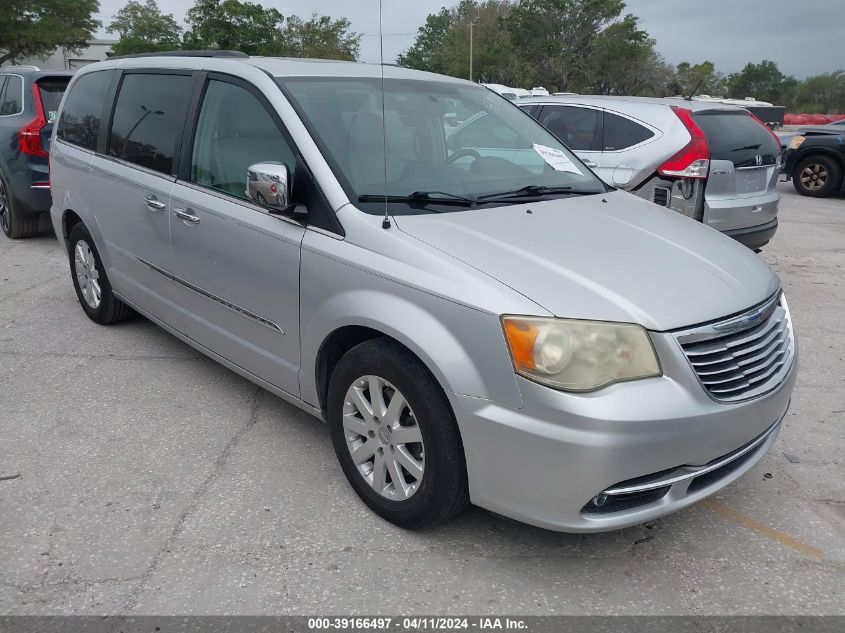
(444, 141)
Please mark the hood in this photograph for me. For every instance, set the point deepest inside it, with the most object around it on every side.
(614, 257)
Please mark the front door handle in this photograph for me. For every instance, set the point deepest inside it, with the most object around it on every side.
(154, 204)
(590, 163)
(186, 216)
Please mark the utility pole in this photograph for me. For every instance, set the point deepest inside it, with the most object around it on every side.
(472, 23)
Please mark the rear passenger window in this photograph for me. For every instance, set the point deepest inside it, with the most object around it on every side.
(235, 131)
(82, 113)
(11, 98)
(576, 127)
(622, 133)
(149, 117)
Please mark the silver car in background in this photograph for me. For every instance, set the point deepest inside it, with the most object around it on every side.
(712, 162)
(474, 313)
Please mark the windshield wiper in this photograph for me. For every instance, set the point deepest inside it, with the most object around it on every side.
(739, 149)
(440, 197)
(533, 191)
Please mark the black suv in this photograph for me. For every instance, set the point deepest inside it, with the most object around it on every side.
(815, 162)
(29, 101)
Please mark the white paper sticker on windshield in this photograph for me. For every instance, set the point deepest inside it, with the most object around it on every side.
(557, 159)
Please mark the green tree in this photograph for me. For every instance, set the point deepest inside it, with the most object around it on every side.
(567, 42)
(143, 28)
(426, 53)
(763, 81)
(624, 62)
(701, 78)
(823, 94)
(442, 44)
(256, 30)
(235, 25)
(575, 45)
(321, 37)
(34, 28)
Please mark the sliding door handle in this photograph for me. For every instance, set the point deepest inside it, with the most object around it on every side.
(186, 216)
(154, 204)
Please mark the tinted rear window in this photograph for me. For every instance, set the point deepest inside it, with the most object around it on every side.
(51, 91)
(149, 117)
(737, 137)
(622, 133)
(79, 122)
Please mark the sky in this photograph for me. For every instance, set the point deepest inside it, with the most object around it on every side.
(729, 33)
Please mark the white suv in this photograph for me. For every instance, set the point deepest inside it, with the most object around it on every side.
(712, 162)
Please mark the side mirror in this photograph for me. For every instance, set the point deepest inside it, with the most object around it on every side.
(268, 185)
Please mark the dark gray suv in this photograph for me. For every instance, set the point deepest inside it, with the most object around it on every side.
(29, 101)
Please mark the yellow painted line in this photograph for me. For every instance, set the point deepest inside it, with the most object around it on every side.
(761, 528)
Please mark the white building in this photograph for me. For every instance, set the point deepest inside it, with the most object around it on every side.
(62, 58)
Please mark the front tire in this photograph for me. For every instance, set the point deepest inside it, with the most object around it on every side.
(91, 282)
(13, 224)
(817, 176)
(395, 435)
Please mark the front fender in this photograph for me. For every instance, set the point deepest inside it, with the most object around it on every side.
(464, 348)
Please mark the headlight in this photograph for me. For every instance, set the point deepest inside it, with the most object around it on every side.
(575, 355)
(796, 142)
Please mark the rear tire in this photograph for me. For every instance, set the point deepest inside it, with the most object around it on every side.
(91, 282)
(12, 222)
(817, 176)
(419, 433)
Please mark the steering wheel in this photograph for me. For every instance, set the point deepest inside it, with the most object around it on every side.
(463, 152)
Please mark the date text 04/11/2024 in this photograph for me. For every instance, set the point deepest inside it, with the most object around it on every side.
(429, 623)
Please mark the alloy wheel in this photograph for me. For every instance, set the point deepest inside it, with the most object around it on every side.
(87, 274)
(383, 438)
(813, 177)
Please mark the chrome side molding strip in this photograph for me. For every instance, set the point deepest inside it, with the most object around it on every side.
(228, 304)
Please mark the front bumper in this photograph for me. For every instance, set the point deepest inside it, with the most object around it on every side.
(544, 463)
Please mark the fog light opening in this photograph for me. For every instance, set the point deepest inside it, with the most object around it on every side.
(599, 500)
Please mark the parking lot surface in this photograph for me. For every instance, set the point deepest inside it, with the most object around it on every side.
(155, 481)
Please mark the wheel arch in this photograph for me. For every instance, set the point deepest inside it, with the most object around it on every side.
(464, 358)
(826, 152)
(332, 349)
(69, 219)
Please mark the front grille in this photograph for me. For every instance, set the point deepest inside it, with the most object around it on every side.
(745, 356)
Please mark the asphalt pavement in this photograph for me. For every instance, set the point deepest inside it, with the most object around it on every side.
(155, 481)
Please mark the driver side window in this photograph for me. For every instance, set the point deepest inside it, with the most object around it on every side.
(234, 131)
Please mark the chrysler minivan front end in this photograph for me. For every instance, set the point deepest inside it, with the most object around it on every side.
(637, 449)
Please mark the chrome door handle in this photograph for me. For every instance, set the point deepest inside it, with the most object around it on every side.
(153, 204)
(186, 216)
(590, 163)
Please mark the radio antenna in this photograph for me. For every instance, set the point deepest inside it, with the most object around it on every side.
(385, 223)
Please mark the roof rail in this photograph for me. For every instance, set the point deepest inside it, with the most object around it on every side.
(21, 66)
(201, 53)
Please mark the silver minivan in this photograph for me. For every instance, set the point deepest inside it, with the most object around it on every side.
(476, 315)
(712, 162)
